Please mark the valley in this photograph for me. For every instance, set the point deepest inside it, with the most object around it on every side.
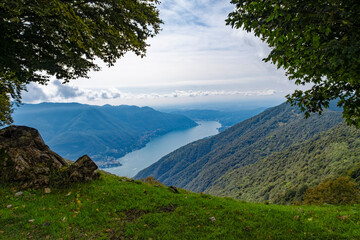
(270, 160)
(274, 156)
(105, 133)
(160, 146)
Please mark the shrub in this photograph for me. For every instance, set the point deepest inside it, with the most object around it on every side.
(338, 191)
(354, 173)
(151, 180)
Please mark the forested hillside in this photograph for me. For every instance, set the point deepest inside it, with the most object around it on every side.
(221, 164)
(284, 176)
(104, 133)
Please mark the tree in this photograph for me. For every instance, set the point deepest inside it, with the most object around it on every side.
(317, 43)
(337, 191)
(62, 38)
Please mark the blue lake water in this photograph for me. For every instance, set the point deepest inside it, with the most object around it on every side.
(135, 161)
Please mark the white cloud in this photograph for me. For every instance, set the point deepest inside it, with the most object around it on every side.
(66, 91)
(34, 94)
(145, 96)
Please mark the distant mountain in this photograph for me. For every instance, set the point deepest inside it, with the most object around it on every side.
(105, 133)
(226, 118)
(234, 162)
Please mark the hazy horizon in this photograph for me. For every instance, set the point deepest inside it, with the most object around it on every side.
(210, 105)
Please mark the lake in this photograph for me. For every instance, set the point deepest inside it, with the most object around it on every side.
(134, 162)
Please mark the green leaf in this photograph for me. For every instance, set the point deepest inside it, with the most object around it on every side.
(316, 40)
(270, 18)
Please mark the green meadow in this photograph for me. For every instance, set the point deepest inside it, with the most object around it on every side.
(120, 208)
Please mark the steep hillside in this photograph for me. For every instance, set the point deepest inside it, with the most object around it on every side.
(199, 165)
(120, 208)
(104, 133)
(283, 177)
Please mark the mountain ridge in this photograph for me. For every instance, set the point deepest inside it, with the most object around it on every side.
(105, 133)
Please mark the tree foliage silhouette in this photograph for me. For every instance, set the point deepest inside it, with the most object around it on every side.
(316, 42)
(62, 38)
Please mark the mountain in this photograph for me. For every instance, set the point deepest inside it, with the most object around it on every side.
(229, 163)
(105, 133)
(226, 118)
(283, 177)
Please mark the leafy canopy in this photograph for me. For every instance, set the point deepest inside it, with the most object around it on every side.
(317, 43)
(337, 191)
(62, 38)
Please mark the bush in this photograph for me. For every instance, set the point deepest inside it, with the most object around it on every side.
(338, 191)
(151, 180)
(354, 173)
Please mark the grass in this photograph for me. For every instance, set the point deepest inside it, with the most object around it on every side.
(120, 208)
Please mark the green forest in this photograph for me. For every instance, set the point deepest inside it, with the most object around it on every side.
(284, 176)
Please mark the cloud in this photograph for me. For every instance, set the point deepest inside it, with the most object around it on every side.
(57, 92)
(101, 94)
(66, 91)
(196, 57)
(34, 94)
(194, 46)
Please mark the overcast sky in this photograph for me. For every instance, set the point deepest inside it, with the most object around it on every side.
(196, 58)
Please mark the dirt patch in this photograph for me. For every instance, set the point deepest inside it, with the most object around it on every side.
(134, 214)
(168, 208)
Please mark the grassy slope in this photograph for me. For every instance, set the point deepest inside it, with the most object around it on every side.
(283, 176)
(117, 208)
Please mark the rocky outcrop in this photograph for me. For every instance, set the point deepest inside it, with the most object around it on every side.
(84, 169)
(26, 160)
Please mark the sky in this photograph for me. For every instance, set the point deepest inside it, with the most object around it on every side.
(196, 58)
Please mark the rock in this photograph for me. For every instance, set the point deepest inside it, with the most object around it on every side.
(343, 218)
(18, 194)
(84, 169)
(31, 220)
(27, 161)
(47, 190)
(174, 189)
(213, 219)
(46, 224)
(25, 158)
